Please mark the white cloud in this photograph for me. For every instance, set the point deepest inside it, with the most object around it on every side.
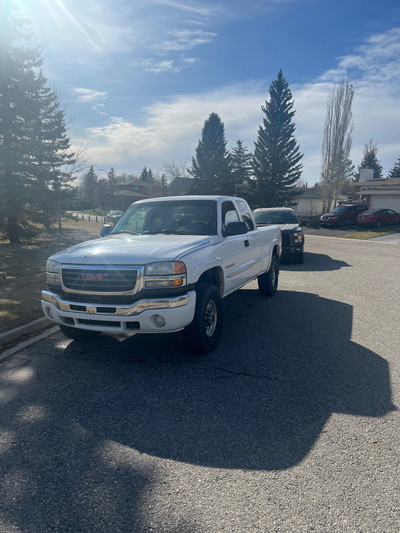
(89, 95)
(170, 130)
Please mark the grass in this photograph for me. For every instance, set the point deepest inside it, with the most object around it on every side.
(370, 233)
(22, 270)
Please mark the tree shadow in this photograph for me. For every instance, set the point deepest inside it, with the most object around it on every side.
(259, 402)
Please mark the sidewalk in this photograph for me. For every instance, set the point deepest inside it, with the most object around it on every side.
(394, 238)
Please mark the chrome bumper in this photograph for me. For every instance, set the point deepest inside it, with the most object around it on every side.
(158, 315)
(116, 310)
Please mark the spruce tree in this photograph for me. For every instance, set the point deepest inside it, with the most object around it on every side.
(17, 101)
(51, 179)
(277, 157)
(241, 160)
(395, 171)
(90, 188)
(370, 160)
(35, 160)
(211, 168)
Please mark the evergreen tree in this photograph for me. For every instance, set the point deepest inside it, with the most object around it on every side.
(211, 168)
(144, 175)
(395, 171)
(241, 160)
(17, 93)
(276, 160)
(164, 185)
(150, 176)
(36, 165)
(370, 160)
(90, 187)
(50, 169)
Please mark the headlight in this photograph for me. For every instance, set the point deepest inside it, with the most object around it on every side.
(53, 272)
(165, 274)
(52, 266)
(164, 268)
(298, 236)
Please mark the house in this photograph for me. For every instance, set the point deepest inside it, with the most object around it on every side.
(309, 202)
(124, 194)
(378, 193)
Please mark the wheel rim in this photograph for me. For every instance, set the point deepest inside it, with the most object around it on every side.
(211, 318)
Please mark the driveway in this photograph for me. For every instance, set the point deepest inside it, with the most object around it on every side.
(291, 425)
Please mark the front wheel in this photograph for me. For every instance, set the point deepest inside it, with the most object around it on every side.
(77, 334)
(378, 223)
(268, 282)
(203, 334)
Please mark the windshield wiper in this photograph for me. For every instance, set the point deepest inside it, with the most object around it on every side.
(165, 232)
(126, 231)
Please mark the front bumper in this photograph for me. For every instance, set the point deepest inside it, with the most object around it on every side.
(290, 251)
(142, 316)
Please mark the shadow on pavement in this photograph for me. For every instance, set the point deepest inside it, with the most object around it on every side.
(259, 402)
(315, 263)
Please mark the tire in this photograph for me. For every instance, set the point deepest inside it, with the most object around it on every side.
(203, 334)
(378, 223)
(340, 223)
(268, 282)
(77, 334)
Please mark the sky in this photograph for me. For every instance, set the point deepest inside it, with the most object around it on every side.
(138, 78)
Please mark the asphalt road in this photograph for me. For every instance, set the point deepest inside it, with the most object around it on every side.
(292, 425)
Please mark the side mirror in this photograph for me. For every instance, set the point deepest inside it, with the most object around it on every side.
(235, 228)
(105, 230)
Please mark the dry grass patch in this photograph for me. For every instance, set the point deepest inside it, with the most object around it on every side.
(22, 271)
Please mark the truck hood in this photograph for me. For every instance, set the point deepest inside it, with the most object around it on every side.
(289, 227)
(126, 249)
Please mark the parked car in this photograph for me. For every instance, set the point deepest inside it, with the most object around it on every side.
(292, 234)
(114, 216)
(342, 215)
(378, 217)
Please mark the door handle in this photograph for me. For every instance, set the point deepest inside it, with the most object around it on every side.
(246, 243)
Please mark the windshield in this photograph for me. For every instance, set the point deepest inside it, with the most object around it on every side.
(275, 217)
(370, 212)
(178, 217)
(338, 210)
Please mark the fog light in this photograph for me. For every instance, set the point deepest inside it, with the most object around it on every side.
(159, 321)
(49, 313)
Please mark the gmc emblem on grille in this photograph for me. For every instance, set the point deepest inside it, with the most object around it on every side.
(95, 277)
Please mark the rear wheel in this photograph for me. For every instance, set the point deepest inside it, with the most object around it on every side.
(268, 282)
(203, 334)
(77, 334)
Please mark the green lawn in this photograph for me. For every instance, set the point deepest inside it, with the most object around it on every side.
(370, 232)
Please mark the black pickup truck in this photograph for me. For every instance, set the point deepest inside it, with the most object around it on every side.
(292, 234)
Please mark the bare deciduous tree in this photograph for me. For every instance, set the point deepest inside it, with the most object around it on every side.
(336, 146)
(175, 170)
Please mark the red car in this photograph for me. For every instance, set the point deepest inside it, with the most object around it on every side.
(377, 217)
(342, 214)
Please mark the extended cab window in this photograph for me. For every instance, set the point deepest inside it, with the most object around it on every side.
(246, 215)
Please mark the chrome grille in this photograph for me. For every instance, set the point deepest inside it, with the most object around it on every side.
(99, 280)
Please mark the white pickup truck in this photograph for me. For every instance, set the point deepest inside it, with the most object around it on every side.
(164, 267)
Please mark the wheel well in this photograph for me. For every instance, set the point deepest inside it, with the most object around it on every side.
(213, 277)
(276, 251)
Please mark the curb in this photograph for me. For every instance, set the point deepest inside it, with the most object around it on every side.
(12, 334)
